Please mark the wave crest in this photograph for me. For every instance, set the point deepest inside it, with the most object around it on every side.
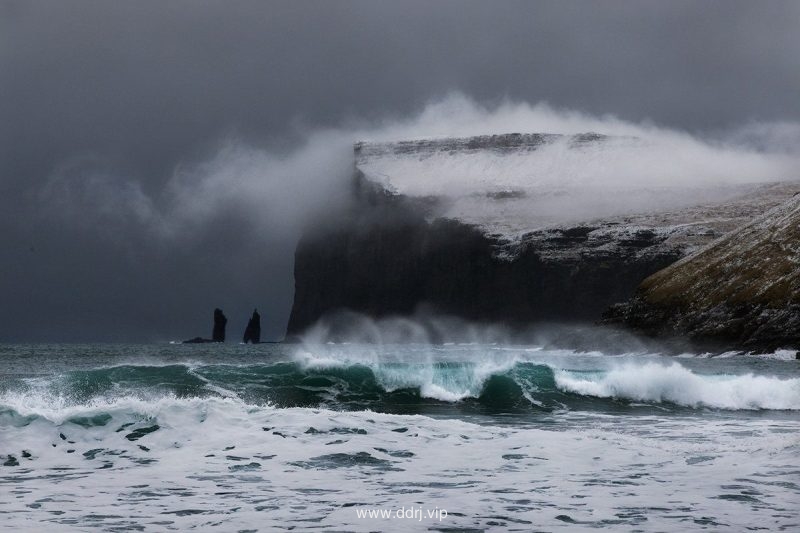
(652, 382)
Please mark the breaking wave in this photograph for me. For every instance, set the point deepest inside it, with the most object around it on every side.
(676, 384)
(396, 387)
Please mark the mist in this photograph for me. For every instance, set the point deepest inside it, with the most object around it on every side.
(334, 335)
(637, 168)
(273, 193)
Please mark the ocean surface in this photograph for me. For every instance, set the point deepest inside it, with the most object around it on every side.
(348, 437)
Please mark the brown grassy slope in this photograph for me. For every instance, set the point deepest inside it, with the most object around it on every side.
(758, 264)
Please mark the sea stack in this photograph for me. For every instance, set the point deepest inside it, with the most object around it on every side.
(218, 335)
(252, 332)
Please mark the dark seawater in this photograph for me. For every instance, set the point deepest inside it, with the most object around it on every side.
(453, 437)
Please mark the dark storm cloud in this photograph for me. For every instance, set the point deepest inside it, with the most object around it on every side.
(111, 104)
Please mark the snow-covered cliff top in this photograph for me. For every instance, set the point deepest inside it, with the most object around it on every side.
(490, 164)
(516, 186)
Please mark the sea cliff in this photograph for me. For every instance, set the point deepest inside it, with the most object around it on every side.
(510, 246)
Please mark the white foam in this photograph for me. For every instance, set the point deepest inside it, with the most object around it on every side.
(451, 464)
(677, 384)
(59, 408)
(780, 355)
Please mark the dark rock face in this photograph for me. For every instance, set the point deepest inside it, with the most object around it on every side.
(220, 321)
(386, 258)
(741, 292)
(748, 327)
(252, 332)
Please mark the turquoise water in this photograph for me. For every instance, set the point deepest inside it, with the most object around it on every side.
(234, 437)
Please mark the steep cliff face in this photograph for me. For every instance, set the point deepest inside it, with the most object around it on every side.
(390, 265)
(740, 292)
(511, 245)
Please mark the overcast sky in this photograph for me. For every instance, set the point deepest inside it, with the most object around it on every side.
(108, 110)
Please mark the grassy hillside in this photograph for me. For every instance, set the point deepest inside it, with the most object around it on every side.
(742, 291)
(757, 264)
